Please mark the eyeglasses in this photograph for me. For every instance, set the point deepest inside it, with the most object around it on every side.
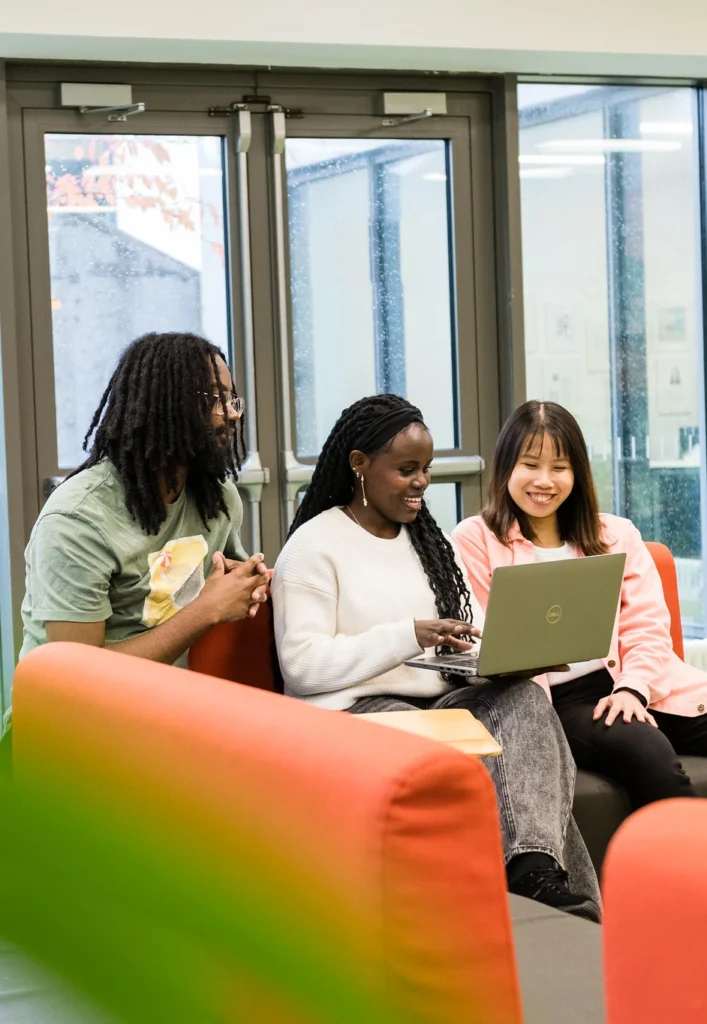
(234, 402)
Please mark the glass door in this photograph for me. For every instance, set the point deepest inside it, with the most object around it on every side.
(330, 251)
(375, 283)
(134, 227)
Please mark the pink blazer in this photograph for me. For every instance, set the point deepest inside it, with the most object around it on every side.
(641, 654)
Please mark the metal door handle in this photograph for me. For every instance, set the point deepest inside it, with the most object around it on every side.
(50, 483)
(251, 479)
(446, 467)
(253, 475)
(453, 467)
(296, 474)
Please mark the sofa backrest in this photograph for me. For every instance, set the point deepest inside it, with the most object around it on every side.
(243, 652)
(665, 564)
(365, 862)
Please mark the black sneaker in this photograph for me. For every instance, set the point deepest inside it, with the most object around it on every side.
(549, 886)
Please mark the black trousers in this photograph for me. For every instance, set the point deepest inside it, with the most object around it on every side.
(644, 760)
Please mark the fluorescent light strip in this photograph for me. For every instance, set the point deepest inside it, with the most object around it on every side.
(610, 145)
(545, 172)
(562, 159)
(666, 128)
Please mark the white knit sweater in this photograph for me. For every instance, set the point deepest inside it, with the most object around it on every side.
(344, 603)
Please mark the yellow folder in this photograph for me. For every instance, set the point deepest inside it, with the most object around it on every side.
(456, 727)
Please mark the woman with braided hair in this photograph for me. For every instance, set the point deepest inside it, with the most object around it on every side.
(367, 581)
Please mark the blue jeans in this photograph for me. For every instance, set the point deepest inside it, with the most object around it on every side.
(534, 776)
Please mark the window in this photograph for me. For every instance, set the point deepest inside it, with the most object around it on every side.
(371, 261)
(370, 233)
(136, 243)
(613, 323)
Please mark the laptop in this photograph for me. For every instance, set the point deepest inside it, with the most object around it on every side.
(542, 614)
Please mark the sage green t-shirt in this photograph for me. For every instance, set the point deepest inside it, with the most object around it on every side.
(88, 560)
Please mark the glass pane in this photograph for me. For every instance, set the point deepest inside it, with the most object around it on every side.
(371, 264)
(610, 210)
(443, 503)
(442, 500)
(137, 243)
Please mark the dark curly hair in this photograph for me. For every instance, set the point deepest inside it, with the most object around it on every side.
(333, 485)
(155, 418)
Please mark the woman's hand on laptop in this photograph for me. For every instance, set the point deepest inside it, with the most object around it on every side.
(445, 632)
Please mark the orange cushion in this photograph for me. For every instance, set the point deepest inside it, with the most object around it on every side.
(382, 847)
(655, 908)
(665, 564)
(243, 652)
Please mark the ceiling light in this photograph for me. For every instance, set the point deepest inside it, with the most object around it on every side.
(611, 145)
(564, 159)
(545, 172)
(666, 128)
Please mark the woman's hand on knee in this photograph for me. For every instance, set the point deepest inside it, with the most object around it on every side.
(626, 704)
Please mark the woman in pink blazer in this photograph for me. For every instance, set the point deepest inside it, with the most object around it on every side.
(631, 714)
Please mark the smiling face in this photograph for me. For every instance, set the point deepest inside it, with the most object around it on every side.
(396, 478)
(542, 479)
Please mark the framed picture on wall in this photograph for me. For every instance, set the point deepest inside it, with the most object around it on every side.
(564, 330)
(562, 382)
(675, 385)
(672, 323)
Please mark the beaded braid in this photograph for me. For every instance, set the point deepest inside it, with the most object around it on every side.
(333, 485)
(153, 420)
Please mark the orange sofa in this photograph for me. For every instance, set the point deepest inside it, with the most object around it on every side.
(242, 652)
(385, 845)
(655, 941)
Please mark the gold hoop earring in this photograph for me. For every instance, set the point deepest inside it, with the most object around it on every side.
(363, 489)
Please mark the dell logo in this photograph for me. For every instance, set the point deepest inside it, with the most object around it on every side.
(554, 614)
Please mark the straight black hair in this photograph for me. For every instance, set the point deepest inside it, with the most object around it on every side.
(523, 432)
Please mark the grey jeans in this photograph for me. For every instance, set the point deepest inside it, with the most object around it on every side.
(534, 776)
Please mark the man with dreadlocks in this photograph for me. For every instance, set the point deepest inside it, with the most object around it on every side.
(139, 549)
(366, 581)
